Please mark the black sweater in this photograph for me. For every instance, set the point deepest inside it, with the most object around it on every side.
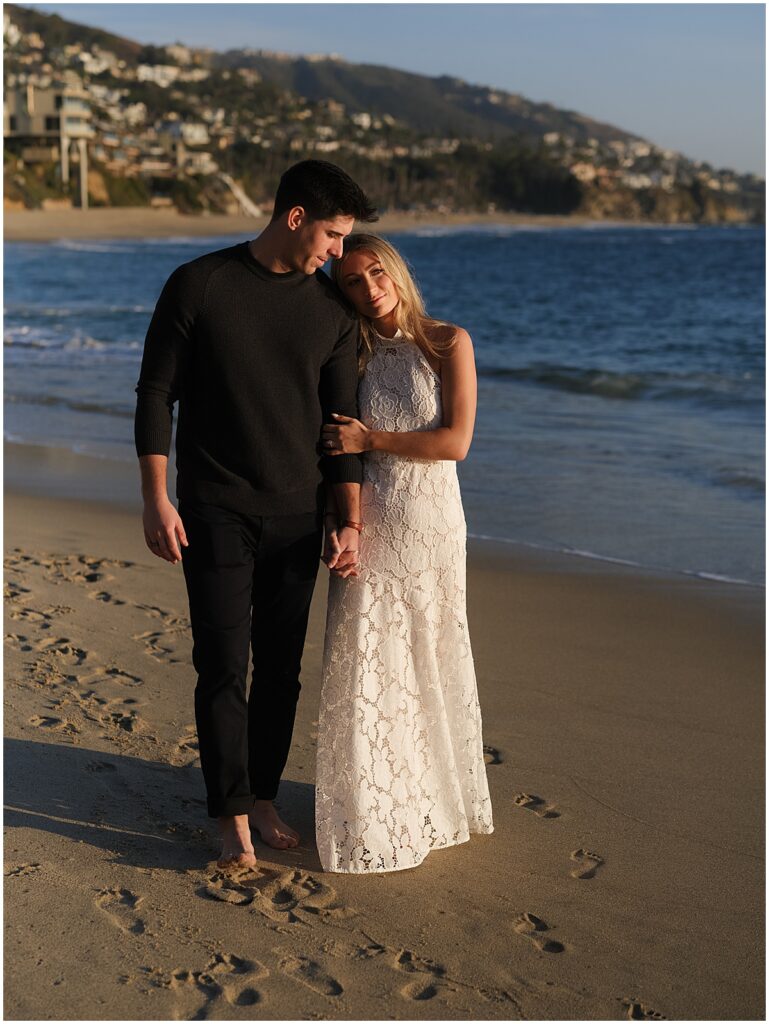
(258, 362)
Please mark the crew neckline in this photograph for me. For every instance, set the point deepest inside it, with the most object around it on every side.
(273, 276)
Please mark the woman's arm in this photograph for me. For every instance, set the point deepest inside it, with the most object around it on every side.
(450, 441)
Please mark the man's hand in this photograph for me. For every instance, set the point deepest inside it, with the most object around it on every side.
(340, 552)
(345, 436)
(163, 529)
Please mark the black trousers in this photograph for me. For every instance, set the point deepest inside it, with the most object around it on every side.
(249, 581)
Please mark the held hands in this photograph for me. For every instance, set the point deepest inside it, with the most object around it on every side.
(163, 529)
(340, 551)
(346, 436)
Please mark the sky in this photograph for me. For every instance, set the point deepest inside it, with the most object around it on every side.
(688, 77)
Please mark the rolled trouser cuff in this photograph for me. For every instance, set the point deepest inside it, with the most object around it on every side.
(229, 808)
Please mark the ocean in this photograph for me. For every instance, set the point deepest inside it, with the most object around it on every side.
(620, 372)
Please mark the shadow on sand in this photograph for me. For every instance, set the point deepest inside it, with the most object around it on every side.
(147, 814)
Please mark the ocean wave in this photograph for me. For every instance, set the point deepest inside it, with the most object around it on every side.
(76, 448)
(26, 337)
(593, 555)
(708, 388)
(73, 245)
(741, 481)
(61, 312)
(83, 341)
(76, 405)
(494, 230)
(39, 338)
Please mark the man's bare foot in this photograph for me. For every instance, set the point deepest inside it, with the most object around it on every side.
(272, 831)
(237, 848)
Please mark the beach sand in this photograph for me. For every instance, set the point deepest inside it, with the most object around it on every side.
(141, 222)
(624, 717)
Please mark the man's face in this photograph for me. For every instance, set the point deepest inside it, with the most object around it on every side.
(317, 241)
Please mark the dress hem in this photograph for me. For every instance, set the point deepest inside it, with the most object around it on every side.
(404, 867)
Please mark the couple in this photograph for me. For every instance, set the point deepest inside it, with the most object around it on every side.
(266, 355)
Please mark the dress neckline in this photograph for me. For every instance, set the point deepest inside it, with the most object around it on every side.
(400, 340)
(397, 339)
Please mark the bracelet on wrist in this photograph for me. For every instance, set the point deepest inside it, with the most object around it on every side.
(353, 525)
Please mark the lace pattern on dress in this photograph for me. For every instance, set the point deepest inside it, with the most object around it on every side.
(400, 767)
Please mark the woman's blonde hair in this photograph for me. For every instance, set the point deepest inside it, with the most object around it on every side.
(410, 314)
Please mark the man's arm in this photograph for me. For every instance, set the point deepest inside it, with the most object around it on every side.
(339, 387)
(165, 352)
(339, 384)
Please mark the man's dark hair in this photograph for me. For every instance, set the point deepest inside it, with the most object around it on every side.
(324, 190)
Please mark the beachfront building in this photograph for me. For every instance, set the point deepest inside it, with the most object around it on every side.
(57, 115)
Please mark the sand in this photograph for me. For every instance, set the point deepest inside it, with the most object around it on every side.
(623, 714)
(138, 222)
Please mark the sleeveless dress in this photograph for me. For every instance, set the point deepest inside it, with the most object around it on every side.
(400, 767)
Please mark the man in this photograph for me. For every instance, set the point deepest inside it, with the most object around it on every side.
(259, 350)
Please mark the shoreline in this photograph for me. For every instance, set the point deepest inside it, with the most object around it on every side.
(140, 222)
(45, 471)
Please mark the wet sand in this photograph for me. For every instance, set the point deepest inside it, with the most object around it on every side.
(624, 717)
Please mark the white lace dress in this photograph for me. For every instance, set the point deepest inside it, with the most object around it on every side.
(400, 767)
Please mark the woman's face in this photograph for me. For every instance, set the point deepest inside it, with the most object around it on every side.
(367, 286)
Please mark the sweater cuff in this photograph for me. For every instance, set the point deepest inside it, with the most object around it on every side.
(153, 442)
(342, 469)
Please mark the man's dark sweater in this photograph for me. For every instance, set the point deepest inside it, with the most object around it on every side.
(258, 362)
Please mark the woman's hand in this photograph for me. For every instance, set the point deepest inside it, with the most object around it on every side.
(346, 436)
(340, 550)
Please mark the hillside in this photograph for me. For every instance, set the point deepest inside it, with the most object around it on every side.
(442, 105)
(58, 32)
(172, 124)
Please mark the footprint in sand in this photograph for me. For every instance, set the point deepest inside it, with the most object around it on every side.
(44, 676)
(17, 640)
(156, 645)
(198, 995)
(529, 925)
(119, 676)
(120, 906)
(13, 591)
(636, 1010)
(587, 863)
(115, 713)
(169, 619)
(62, 649)
(530, 802)
(237, 977)
(412, 964)
(106, 598)
(422, 988)
(239, 886)
(43, 619)
(367, 952)
(491, 755)
(286, 897)
(82, 569)
(187, 748)
(54, 724)
(310, 973)
(419, 991)
(295, 895)
(22, 870)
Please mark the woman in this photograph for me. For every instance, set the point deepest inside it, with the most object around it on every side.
(400, 755)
